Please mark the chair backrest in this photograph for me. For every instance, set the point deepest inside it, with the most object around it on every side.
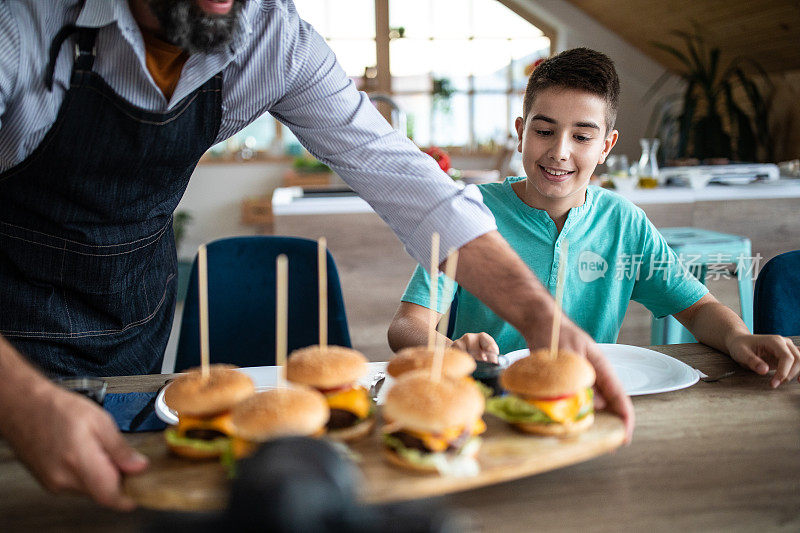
(241, 302)
(776, 301)
(451, 321)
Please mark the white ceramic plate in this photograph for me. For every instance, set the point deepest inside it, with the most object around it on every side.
(642, 371)
(264, 377)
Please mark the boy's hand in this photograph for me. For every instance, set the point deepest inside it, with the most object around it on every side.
(480, 346)
(762, 353)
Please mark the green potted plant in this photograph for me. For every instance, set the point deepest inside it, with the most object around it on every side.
(723, 110)
(443, 92)
(308, 164)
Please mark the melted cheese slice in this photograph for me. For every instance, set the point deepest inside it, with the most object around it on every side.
(222, 423)
(564, 410)
(441, 441)
(242, 448)
(353, 400)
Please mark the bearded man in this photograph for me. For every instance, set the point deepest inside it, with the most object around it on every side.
(106, 106)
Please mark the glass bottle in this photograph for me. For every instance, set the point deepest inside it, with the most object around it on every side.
(648, 167)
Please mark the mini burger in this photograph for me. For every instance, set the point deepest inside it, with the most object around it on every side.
(335, 371)
(455, 363)
(433, 426)
(282, 412)
(203, 406)
(547, 396)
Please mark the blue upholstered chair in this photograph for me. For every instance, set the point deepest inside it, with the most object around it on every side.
(451, 321)
(241, 302)
(776, 302)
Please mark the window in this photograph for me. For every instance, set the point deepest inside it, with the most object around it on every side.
(457, 68)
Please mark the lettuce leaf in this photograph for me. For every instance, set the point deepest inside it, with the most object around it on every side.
(485, 389)
(514, 409)
(220, 444)
(459, 464)
(228, 461)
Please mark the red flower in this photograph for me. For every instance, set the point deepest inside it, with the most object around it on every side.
(530, 68)
(440, 156)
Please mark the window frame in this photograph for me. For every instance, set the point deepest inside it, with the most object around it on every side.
(383, 78)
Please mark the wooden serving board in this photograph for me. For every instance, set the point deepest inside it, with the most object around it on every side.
(172, 483)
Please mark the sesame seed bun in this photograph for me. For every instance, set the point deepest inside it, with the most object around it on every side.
(540, 376)
(415, 402)
(282, 412)
(335, 366)
(192, 395)
(455, 363)
(557, 430)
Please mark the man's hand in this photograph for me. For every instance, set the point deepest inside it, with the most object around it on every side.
(494, 273)
(611, 395)
(481, 346)
(762, 353)
(71, 444)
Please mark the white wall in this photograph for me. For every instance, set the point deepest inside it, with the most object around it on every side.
(214, 197)
(637, 72)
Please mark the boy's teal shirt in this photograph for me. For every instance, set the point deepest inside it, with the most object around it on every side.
(615, 255)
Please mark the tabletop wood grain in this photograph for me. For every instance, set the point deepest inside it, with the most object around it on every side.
(721, 456)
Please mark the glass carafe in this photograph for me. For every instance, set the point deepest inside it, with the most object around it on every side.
(648, 167)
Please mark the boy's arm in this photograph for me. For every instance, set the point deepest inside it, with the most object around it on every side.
(409, 327)
(718, 326)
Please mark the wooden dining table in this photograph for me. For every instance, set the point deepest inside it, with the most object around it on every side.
(717, 456)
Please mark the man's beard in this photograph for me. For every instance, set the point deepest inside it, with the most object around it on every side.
(184, 24)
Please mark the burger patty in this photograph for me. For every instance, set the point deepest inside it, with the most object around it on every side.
(413, 443)
(341, 419)
(204, 434)
(410, 442)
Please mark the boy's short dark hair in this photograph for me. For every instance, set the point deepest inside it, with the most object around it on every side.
(582, 69)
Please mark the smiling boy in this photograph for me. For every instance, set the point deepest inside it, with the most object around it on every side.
(615, 253)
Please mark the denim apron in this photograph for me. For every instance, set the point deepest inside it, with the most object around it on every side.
(87, 254)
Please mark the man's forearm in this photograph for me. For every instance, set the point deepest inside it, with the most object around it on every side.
(20, 381)
(492, 271)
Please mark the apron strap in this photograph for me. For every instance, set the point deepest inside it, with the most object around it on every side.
(84, 51)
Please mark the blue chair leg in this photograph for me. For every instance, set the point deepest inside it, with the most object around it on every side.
(668, 330)
(657, 331)
(675, 332)
(743, 273)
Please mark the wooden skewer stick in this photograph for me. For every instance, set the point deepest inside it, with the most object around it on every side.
(281, 311)
(202, 288)
(562, 266)
(322, 263)
(438, 354)
(434, 282)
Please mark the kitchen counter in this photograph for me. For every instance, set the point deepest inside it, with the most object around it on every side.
(289, 200)
(721, 456)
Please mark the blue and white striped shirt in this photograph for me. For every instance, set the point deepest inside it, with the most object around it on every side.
(277, 63)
